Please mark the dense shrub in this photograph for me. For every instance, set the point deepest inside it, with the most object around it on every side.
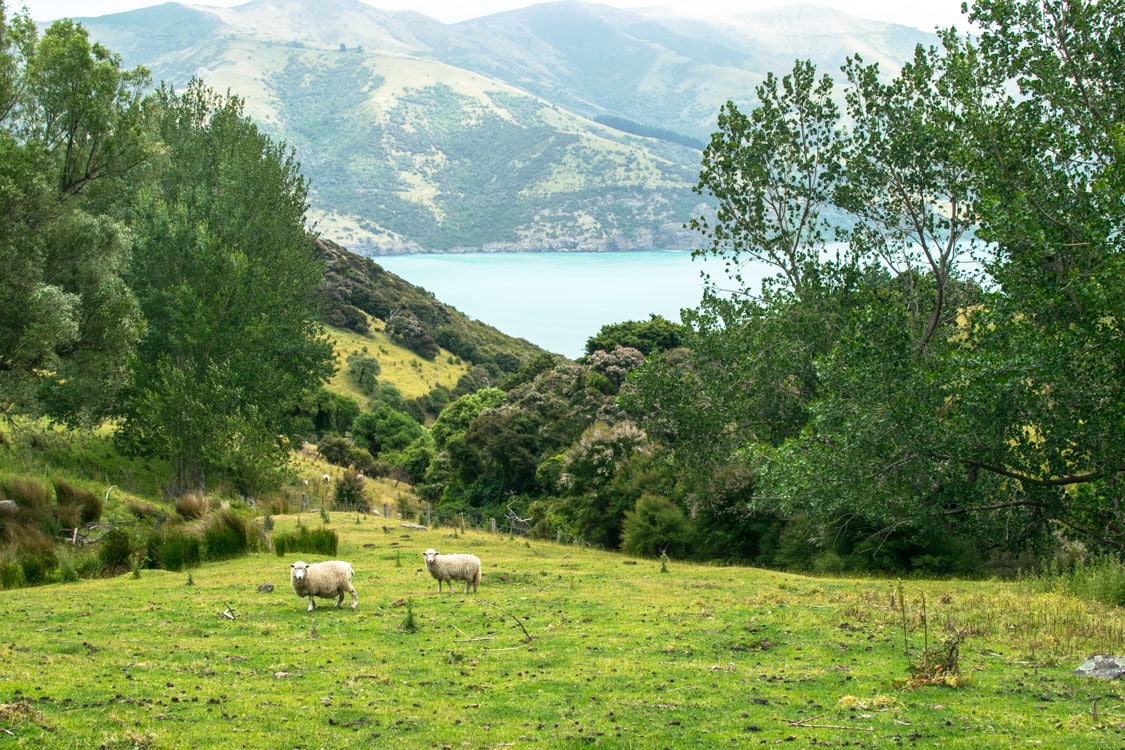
(349, 493)
(35, 507)
(654, 526)
(179, 549)
(321, 541)
(225, 535)
(114, 551)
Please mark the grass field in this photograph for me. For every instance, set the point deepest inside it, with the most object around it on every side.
(562, 648)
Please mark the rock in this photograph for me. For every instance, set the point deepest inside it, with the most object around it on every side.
(1103, 667)
(265, 588)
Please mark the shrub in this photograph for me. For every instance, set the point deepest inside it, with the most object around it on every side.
(37, 566)
(114, 551)
(349, 493)
(11, 575)
(143, 510)
(322, 541)
(33, 499)
(656, 524)
(225, 535)
(179, 549)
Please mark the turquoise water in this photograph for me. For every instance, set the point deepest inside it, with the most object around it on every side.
(558, 300)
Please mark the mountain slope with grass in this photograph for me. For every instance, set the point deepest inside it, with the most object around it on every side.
(561, 126)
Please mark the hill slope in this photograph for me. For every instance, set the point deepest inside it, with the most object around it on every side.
(485, 135)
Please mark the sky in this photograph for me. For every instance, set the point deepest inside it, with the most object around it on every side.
(922, 14)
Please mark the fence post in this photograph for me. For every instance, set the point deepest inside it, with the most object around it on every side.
(386, 510)
(492, 524)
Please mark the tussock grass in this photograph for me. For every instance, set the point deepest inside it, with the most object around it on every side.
(562, 647)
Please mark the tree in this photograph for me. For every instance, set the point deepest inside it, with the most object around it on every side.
(385, 430)
(772, 174)
(909, 180)
(225, 272)
(70, 121)
(1045, 355)
(646, 336)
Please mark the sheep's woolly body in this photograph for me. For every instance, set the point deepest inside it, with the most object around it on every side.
(325, 579)
(450, 568)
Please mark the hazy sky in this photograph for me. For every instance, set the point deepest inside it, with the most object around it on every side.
(923, 14)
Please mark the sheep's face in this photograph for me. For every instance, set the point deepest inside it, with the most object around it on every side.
(429, 556)
(298, 570)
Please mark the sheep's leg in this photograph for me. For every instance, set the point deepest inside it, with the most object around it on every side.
(340, 602)
(312, 605)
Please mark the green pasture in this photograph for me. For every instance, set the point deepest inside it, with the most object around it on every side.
(562, 647)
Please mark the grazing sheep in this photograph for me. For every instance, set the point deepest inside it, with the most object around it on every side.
(450, 568)
(325, 579)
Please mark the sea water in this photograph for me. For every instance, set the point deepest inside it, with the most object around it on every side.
(559, 300)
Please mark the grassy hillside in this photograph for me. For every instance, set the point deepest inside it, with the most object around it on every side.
(418, 135)
(562, 647)
(411, 374)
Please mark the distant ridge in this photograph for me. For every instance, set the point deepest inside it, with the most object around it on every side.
(559, 126)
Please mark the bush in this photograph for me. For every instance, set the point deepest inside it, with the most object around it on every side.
(178, 550)
(35, 504)
(655, 525)
(114, 551)
(322, 541)
(225, 535)
(350, 495)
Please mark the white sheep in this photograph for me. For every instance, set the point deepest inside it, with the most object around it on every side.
(450, 568)
(324, 579)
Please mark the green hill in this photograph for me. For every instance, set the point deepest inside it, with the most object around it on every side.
(485, 135)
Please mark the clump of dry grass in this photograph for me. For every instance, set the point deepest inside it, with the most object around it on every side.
(192, 506)
(76, 506)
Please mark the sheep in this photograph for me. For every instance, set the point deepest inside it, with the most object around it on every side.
(324, 579)
(450, 568)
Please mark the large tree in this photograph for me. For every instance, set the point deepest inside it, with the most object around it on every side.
(936, 407)
(225, 271)
(70, 128)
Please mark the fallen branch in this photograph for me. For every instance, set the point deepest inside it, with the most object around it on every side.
(530, 638)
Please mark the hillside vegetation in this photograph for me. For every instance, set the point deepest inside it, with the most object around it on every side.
(421, 136)
(561, 647)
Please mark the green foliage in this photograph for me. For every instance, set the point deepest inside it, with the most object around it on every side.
(115, 551)
(655, 526)
(226, 534)
(650, 336)
(341, 451)
(225, 274)
(385, 429)
(178, 549)
(69, 129)
(320, 541)
(349, 494)
(76, 506)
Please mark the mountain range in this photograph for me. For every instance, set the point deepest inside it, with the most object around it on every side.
(563, 126)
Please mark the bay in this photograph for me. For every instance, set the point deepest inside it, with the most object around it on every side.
(559, 300)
